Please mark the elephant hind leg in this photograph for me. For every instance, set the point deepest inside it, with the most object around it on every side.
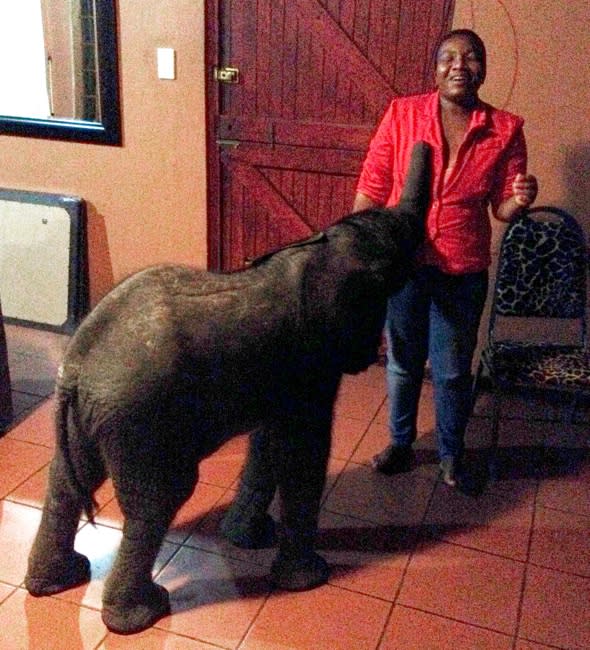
(54, 565)
(132, 601)
(154, 471)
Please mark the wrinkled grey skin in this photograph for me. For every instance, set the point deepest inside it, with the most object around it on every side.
(174, 361)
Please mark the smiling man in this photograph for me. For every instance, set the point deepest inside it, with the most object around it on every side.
(479, 161)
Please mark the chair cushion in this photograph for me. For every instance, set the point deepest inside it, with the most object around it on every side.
(544, 366)
(541, 271)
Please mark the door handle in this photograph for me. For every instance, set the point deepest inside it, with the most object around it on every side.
(226, 75)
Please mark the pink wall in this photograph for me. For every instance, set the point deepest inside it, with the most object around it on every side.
(538, 68)
(146, 200)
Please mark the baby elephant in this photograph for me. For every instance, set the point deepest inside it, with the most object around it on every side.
(174, 361)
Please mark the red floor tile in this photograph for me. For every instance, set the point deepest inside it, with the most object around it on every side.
(224, 466)
(560, 542)
(32, 491)
(153, 639)
(529, 645)
(358, 401)
(204, 498)
(491, 522)
(555, 609)
(410, 629)
(388, 500)
(570, 493)
(365, 557)
(18, 527)
(48, 624)
(213, 598)
(320, 619)
(346, 435)
(18, 460)
(373, 376)
(5, 591)
(465, 585)
(38, 428)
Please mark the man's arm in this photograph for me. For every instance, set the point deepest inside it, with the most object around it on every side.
(363, 202)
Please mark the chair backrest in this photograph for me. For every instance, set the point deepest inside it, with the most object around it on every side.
(542, 268)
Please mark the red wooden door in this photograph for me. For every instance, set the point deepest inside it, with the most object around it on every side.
(288, 136)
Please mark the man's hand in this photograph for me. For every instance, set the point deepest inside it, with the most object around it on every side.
(525, 189)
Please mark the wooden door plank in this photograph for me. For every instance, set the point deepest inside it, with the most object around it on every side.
(377, 39)
(316, 76)
(276, 62)
(251, 178)
(387, 61)
(328, 161)
(264, 58)
(294, 132)
(321, 25)
(289, 61)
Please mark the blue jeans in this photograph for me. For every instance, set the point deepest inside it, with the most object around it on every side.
(435, 316)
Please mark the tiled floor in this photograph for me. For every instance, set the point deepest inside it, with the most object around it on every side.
(415, 565)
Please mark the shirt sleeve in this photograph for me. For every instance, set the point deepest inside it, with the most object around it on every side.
(512, 162)
(376, 179)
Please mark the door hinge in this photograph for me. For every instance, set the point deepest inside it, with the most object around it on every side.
(226, 75)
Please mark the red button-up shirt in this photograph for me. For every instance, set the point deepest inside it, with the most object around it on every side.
(493, 152)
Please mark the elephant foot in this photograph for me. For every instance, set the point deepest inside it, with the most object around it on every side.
(137, 614)
(259, 532)
(300, 573)
(58, 575)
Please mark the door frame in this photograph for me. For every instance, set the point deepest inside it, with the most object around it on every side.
(212, 50)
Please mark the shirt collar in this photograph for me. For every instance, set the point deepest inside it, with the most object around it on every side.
(480, 118)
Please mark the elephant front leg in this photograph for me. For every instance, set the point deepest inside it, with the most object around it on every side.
(132, 601)
(53, 564)
(247, 523)
(301, 461)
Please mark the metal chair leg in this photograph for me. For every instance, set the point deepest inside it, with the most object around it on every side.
(493, 448)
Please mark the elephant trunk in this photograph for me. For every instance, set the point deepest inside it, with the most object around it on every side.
(416, 193)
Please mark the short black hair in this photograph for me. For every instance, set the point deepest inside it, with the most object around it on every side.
(478, 46)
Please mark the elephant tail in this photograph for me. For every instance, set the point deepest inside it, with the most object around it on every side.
(65, 425)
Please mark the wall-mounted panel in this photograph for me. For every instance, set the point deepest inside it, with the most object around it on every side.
(43, 270)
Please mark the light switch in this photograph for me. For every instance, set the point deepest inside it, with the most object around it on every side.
(166, 63)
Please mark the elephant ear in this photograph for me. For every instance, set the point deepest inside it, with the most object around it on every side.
(316, 238)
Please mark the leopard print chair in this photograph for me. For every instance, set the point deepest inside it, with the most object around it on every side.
(541, 279)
